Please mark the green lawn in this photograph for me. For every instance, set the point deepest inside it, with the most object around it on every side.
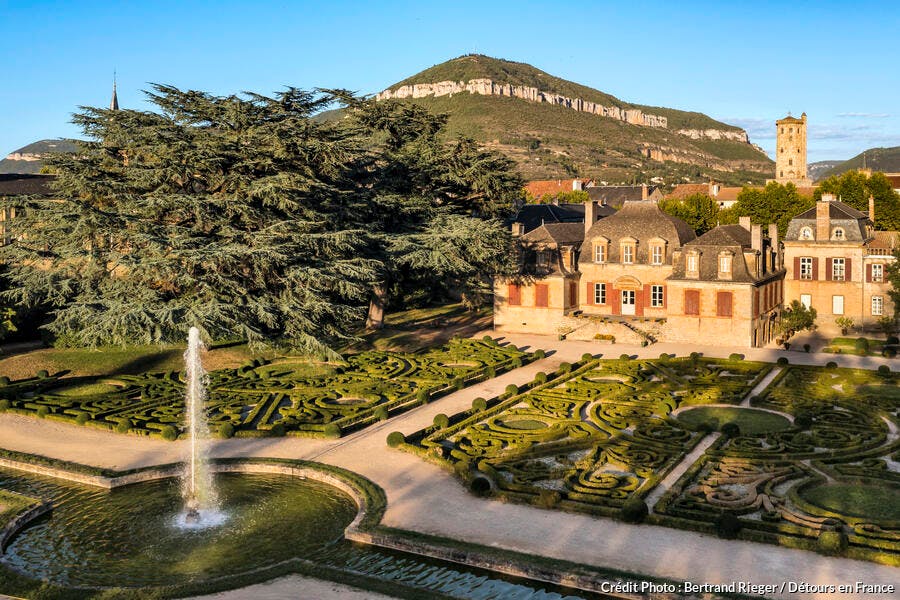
(750, 421)
(11, 504)
(875, 501)
(847, 345)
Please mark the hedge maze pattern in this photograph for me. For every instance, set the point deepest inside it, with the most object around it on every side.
(591, 438)
(278, 398)
(844, 439)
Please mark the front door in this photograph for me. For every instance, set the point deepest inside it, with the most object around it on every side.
(627, 302)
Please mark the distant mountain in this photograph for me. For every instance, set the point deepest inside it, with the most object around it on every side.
(29, 159)
(555, 128)
(877, 159)
(816, 170)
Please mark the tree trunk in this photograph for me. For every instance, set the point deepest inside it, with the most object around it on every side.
(375, 319)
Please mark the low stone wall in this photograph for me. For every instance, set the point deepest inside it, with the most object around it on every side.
(19, 521)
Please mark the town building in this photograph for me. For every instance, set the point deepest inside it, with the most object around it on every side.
(617, 195)
(837, 263)
(790, 151)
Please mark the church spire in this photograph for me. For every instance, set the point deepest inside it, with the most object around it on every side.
(114, 103)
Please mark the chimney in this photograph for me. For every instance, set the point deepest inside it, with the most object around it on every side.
(756, 237)
(823, 222)
(872, 209)
(776, 246)
(744, 222)
(590, 215)
(644, 191)
(518, 229)
(577, 185)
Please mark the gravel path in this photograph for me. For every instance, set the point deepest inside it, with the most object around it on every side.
(424, 498)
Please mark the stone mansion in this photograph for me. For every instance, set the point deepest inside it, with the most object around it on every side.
(641, 274)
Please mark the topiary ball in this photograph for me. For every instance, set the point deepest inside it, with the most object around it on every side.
(381, 413)
(279, 430)
(831, 543)
(782, 361)
(4, 380)
(441, 420)
(803, 421)
(695, 355)
(480, 486)
(889, 352)
(884, 370)
(728, 526)
(479, 404)
(735, 356)
(226, 430)
(540, 377)
(43, 374)
(4, 404)
(634, 510)
(831, 365)
(423, 396)
(565, 367)
(487, 339)
(512, 389)
(395, 438)
(170, 434)
(124, 426)
(892, 340)
(539, 354)
(586, 357)
(624, 357)
(731, 430)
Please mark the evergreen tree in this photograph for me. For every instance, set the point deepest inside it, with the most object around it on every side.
(697, 210)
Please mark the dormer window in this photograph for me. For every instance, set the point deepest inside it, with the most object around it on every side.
(837, 234)
(542, 258)
(691, 264)
(628, 252)
(725, 260)
(806, 233)
(656, 255)
(600, 253)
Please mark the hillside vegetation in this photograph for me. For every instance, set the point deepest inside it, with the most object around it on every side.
(551, 141)
(886, 160)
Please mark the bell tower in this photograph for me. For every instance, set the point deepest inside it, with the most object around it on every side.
(790, 149)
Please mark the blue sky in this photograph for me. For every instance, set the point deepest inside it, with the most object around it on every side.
(745, 63)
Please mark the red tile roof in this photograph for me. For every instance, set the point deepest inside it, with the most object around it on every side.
(683, 190)
(551, 187)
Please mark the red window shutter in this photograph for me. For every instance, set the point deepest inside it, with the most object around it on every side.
(723, 304)
(828, 270)
(540, 295)
(639, 303)
(796, 267)
(590, 293)
(815, 269)
(868, 273)
(665, 298)
(691, 302)
(614, 297)
(647, 296)
(515, 295)
(848, 271)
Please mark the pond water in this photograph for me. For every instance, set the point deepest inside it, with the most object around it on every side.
(129, 537)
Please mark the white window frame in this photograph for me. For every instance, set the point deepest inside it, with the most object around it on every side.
(806, 268)
(837, 305)
(838, 234)
(879, 277)
(691, 266)
(838, 267)
(628, 251)
(725, 263)
(656, 255)
(877, 306)
(600, 253)
(806, 300)
(656, 296)
(599, 293)
(806, 233)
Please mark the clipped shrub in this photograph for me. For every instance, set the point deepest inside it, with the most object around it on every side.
(831, 543)
(892, 340)
(565, 367)
(480, 486)
(634, 510)
(728, 526)
(381, 413)
(4, 380)
(695, 355)
(278, 430)
(806, 348)
(479, 404)
(123, 426)
(43, 374)
(43, 411)
(516, 362)
(644, 343)
(441, 420)
(861, 345)
(395, 438)
(459, 383)
(803, 421)
(226, 430)
(512, 389)
(587, 357)
(663, 357)
(487, 339)
(490, 372)
(4, 404)
(170, 434)
(332, 430)
(82, 418)
(782, 361)
(735, 356)
(624, 357)
(423, 396)
(831, 365)
(540, 377)
(731, 430)
(539, 354)
(547, 498)
(884, 370)
(889, 352)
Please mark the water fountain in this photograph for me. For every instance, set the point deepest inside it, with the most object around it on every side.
(198, 491)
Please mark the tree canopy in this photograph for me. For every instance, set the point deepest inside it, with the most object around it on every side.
(775, 203)
(248, 217)
(697, 210)
(855, 188)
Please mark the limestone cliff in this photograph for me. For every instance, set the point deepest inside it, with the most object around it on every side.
(486, 87)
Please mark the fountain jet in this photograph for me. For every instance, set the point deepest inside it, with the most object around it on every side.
(197, 486)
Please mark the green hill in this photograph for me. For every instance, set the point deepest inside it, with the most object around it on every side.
(27, 160)
(877, 159)
(551, 140)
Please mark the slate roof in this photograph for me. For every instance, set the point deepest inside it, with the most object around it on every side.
(533, 216)
(25, 185)
(885, 239)
(723, 235)
(836, 210)
(556, 233)
(683, 190)
(617, 195)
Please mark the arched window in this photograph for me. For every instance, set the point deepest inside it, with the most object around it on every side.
(806, 233)
(837, 233)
